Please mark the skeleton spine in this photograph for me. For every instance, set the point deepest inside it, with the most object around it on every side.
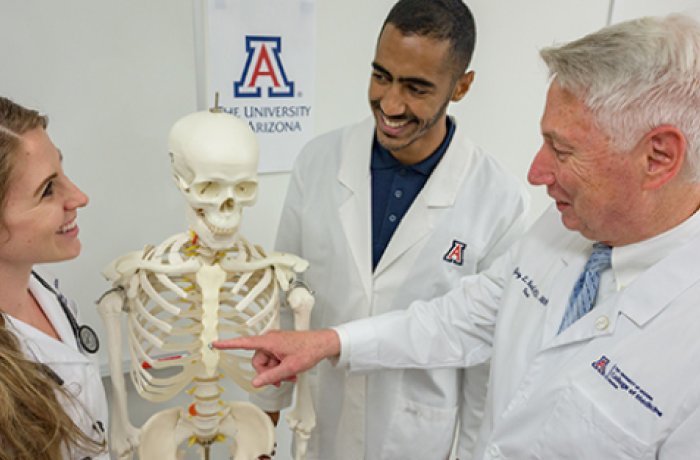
(207, 409)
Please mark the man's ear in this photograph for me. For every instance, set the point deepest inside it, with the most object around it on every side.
(462, 86)
(665, 156)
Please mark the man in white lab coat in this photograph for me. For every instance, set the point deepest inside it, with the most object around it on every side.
(621, 159)
(390, 210)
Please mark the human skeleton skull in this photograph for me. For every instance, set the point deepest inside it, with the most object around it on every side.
(215, 163)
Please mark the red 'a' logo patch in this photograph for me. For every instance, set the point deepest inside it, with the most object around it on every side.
(455, 254)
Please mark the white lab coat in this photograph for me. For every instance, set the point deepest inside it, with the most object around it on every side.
(406, 414)
(623, 382)
(80, 373)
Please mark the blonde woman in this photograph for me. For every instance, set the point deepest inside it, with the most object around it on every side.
(51, 396)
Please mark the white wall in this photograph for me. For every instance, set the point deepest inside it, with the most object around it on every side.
(628, 9)
(502, 110)
(113, 77)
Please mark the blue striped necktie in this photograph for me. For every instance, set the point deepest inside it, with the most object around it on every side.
(586, 288)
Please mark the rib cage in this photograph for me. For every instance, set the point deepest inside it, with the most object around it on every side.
(164, 320)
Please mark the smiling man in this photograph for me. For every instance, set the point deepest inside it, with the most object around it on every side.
(394, 209)
(590, 321)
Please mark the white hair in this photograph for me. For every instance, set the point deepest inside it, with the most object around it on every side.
(635, 76)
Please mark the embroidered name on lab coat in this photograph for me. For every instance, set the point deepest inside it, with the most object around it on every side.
(455, 254)
(530, 289)
(621, 381)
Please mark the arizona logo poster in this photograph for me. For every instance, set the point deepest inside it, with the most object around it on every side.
(260, 58)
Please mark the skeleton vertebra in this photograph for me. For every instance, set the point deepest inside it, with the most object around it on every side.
(193, 289)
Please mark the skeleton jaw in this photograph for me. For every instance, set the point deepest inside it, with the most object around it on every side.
(223, 229)
(213, 236)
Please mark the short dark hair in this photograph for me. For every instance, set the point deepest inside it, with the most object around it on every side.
(440, 19)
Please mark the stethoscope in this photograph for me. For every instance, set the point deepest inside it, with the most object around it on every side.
(85, 336)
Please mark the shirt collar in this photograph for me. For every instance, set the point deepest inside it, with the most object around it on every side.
(383, 159)
(629, 261)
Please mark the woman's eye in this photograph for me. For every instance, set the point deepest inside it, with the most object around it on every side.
(48, 190)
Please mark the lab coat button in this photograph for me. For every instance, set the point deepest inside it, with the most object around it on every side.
(494, 452)
(602, 323)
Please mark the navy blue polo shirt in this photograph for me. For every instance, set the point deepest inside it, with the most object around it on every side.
(394, 187)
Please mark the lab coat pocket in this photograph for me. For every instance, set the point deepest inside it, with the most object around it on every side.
(578, 429)
(418, 432)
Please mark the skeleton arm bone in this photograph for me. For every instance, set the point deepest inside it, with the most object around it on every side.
(301, 301)
(302, 418)
(124, 437)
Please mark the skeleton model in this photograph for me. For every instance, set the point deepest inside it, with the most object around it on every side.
(195, 288)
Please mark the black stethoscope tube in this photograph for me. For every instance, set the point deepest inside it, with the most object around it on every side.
(85, 336)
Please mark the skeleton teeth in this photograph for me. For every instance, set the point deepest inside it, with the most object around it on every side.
(219, 230)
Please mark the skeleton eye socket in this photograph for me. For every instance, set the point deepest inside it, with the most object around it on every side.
(245, 189)
(206, 189)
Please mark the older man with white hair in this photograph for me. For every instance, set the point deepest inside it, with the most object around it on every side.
(590, 321)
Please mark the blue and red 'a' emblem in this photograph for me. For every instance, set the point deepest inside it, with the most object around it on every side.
(601, 364)
(263, 68)
(455, 254)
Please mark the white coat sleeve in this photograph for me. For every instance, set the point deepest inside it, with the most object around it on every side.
(289, 237)
(455, 330)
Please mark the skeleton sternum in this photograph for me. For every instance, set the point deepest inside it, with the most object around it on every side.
(206, 410)
(210, 278)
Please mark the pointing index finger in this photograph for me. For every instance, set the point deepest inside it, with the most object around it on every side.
(241, 343)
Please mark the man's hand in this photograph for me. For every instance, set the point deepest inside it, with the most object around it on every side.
(281, 355)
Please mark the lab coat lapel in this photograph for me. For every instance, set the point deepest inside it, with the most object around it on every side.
(653, 291)
(53, 311)
(439, 192)
(355, 210)
(415, 225)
